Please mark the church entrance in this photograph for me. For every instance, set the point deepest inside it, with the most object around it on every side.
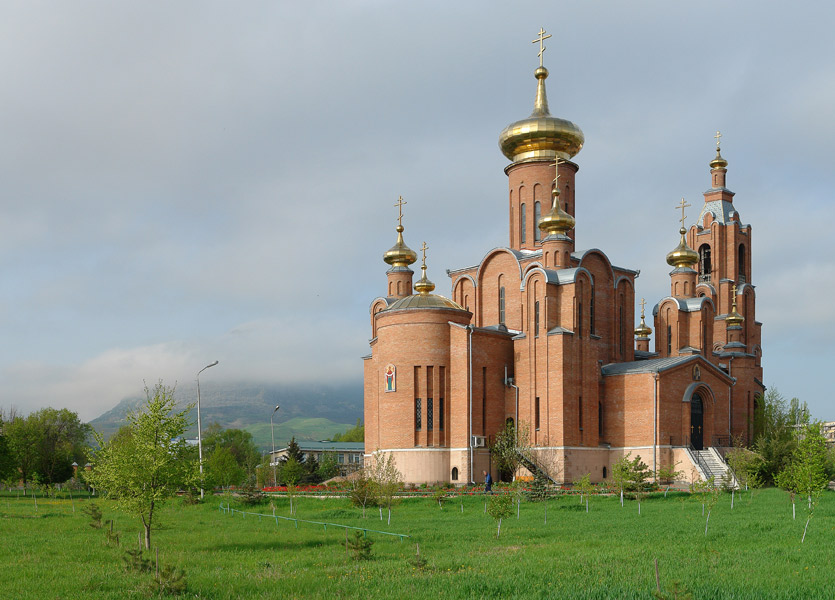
(696, 422)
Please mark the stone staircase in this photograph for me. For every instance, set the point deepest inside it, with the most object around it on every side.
(711, 464)
(531, 464)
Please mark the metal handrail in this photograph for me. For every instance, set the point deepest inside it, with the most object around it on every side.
(695, 454)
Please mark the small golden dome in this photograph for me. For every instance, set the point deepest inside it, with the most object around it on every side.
(423, 285)
(557, 221)
(718, 162)
(682, 255)
(400, 255)
(734, 318)
(541, 136)
(643, 330)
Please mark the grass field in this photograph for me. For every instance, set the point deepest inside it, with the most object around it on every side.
(752, 551)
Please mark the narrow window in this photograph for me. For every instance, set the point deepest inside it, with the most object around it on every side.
(441, 414)
(600, 419)
(430, 417)
(341, 459)
(591, 311)
(741, 262)
(418, 421)
(536, 318)
(704, 262)
(604, 472)
(621, 329)
(669, 340)
(536, 413)
(537, 213)
(580, 318)
(501, 305)
(454, 474)
(581, 413)
(522, 223)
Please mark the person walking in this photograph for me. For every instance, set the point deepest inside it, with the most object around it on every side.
(488, 483)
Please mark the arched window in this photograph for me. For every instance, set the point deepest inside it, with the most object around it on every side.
(741, 263)
(522, 215)
(537, 213)
(604, 472)
(704, 262)
(454, 476)
(501, 305)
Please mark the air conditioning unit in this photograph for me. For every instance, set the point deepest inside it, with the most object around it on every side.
(479, 441)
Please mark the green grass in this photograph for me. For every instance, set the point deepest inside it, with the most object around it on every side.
(753, 551)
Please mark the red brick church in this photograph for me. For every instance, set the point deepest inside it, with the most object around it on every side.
(540, 333)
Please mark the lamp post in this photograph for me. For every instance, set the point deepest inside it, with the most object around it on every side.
(200, 427)
(272, 431)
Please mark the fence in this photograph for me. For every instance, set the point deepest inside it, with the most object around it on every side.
(231, 512)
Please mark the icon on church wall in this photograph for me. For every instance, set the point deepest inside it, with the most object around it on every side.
(697, 373)
(391, 378)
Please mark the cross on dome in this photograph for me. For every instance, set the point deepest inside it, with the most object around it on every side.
(643, 304)
(542, 37)
(423, 250)
(718, 136)
(682, 205)
(399, 205)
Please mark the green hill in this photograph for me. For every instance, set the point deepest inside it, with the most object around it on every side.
(308, 412)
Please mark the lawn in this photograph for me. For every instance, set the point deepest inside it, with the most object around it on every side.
(752, 551)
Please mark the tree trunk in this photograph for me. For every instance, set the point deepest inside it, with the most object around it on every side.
(706, 522)
(793, 513)
(621, 497)
(381, 513)
(587, 504)
(732, 499)
(389, 520)
(499, 530)
(804, 529)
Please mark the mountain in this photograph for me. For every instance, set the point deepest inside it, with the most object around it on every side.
(308, 412)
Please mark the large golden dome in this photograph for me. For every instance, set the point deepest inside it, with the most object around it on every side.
(541, 136)
(424, 300)
(400, 255)
(682, 255)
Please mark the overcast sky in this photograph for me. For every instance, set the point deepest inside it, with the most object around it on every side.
(185, 182)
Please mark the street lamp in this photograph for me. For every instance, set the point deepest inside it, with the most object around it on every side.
(200, 427)
(272, 431)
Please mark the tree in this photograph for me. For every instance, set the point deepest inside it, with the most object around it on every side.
(222, 469)
(631, 476)
(508, 447)
(24, 440)
(806, 474)
(146, 465)
(500, 507)
(63, 440)
(292, 471)
(776, 422)
(7, 467)
(363, 491)
(328, 466)
(238, 442)
(387, 478)
(355, 434)
(585, 488)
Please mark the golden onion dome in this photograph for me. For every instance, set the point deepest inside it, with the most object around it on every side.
(643, 330)
(541, 136)
(423, 285)
(400, 255)
(557, 221)
(718, 162)
(734, 318)
(682, 255)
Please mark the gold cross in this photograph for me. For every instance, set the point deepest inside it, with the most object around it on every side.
(423, 249)
(542, 37)
(400, 204)
(643, 304)
(733, 292)
(682, 206)
(717, 136)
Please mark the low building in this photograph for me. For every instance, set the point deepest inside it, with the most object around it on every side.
(828, 431)
(348, 454)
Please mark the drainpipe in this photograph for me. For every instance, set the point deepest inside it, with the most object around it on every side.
(470, 401)
(508, 381)
(655, 429)
(730, 394)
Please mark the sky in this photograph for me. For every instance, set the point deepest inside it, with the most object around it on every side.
(196, 181)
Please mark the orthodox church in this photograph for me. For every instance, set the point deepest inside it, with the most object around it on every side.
(540, 334)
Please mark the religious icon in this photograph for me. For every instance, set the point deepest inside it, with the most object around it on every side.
(391, 378)
(697, 373)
